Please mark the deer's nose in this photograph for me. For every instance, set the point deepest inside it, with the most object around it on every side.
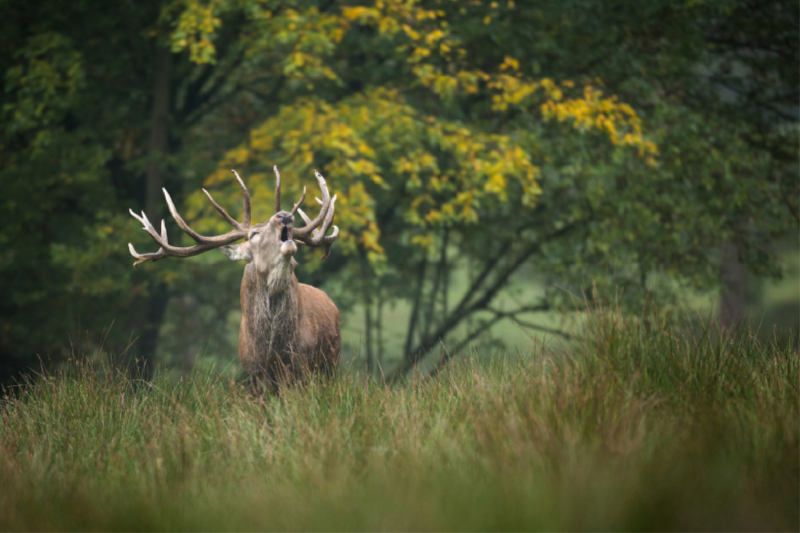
(287, 220)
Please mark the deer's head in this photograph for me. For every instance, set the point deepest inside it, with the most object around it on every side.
(269, 246)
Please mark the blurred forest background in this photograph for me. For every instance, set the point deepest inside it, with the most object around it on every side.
(496, 163)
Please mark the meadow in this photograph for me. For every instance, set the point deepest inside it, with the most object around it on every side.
(637, 424)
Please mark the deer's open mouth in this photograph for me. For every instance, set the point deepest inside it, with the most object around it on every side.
(286, 234)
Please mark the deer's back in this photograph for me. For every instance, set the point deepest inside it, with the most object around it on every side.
(319, 326)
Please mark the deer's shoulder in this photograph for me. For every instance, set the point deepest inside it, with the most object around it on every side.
(313, 296)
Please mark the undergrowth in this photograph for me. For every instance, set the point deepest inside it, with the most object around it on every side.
(637, 426)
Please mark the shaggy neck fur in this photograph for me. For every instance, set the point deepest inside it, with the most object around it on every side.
(273, 313)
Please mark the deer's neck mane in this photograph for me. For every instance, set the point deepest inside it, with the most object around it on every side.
(273, 310)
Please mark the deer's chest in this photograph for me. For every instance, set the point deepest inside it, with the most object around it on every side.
(270, 321)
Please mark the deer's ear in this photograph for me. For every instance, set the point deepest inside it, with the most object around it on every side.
(238, 251)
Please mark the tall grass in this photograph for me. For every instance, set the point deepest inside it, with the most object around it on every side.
(637, 426)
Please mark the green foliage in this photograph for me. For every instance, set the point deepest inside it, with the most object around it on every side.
(74, 119)
(637, 426)
(45, 83)
(606, 145)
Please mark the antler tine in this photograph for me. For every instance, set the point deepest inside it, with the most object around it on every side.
(332, 237)
(305, 217)
(245, 201)
(328, 241)
(222, 212)
(299, 202)
(326, 224)
(143, 258)
(181, 223)
(328, 217)
(318, 237)
(148, 227)
(277, 189)
(245, 225)
(326, 204)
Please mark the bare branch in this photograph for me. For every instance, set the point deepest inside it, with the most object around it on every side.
(465, 308)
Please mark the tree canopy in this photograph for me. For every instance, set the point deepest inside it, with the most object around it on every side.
(600, 144)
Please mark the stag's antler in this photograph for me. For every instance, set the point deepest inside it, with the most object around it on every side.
(310, 234)
(204, 244)
(278, 193)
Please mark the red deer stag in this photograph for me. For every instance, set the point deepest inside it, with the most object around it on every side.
(287, 328)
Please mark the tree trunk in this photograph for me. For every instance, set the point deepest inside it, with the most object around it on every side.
(158, 146)
(441, 267)
(379, 331)
(152, 307)
(368, 334)
(445, 291)
(412, 358)
(732, 298)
